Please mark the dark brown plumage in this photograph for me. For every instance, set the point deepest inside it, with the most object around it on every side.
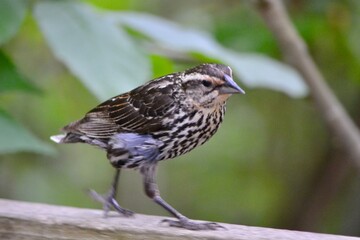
(159, 120)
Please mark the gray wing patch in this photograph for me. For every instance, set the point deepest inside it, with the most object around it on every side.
(131, 150)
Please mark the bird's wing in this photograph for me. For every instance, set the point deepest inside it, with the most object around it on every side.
(140, 111)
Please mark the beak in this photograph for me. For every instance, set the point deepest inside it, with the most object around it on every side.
(230, 87)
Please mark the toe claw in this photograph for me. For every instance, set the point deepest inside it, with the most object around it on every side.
(191, 225)
(97, 197)
(123, 211)
(109, 202)
(214, 226)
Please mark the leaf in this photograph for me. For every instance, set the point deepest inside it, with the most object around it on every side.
(254, 70)
(161, 65)
(100, 54)
(257, 70)
(12, 13)
(16, 138)
(11, 79)
(166, 32)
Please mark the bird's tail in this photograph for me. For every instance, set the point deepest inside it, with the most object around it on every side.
(67, 138)
(58, 138)
(77, 138)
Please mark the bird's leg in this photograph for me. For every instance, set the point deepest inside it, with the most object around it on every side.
(108, 200)
(152, 191)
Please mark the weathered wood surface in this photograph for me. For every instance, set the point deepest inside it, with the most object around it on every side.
(24, 220)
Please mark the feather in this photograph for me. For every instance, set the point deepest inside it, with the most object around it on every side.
(139, 111)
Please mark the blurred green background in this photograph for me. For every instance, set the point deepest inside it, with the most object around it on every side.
(272, 163)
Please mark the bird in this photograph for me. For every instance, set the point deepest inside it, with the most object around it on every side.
(161, 119)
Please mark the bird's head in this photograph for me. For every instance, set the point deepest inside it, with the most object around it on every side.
(208, 85)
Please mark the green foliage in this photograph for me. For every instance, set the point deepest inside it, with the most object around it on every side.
(12, 13)
(161, 65)
(96, 48)
(11, 79)
(245, 66)
(99, 54)
(15, 138)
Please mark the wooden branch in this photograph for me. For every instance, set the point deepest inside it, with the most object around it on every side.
(23, 220)
(342, 128)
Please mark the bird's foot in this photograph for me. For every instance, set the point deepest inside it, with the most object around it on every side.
(109, 202)
(192, 225)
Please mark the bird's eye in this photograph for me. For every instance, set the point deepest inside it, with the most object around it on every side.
(206, 83)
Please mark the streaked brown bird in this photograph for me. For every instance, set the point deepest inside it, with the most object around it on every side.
(159, 120)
